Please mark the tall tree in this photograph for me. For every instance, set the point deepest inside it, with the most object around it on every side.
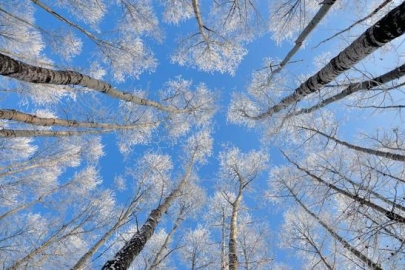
(197, 148)
(96, 168)
(384, 31)
(238, 170)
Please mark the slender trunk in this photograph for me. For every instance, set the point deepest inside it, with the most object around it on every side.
(385, 174)
(123, 217)
(396, 157)
(389, 214)
(19, 263)
(157, 257)
(233, 234)
(19, 208)
(124, 257)
(375, 11)
(14, 133)
(384, 228)
(201, 26)
(63, 19)
(55, 237)
(318, 251)
(375, 194)
(385, 30)
(24, 72)
(41, 121)
(223, 246)
(326, 6)
(336, 236)
(39, 199)
(355, 87)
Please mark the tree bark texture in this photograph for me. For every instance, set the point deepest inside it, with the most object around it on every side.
(326, 6)
(24, 72)
(124, 257)
(356, 87)
(385, 30)
(46, 122)
(15, 133)
(233, 234)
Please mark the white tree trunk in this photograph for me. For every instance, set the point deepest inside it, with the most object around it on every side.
(384, 31)
(124, 257)
(336, 236)
(24, 72)
(356, 87)
(396, 157)
(46, 122)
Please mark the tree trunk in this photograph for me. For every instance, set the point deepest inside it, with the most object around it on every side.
(233, 234)
(375, 194)
(223, 246)
(326, 6)
(46, 122)
(24, 72)
(157, 257)
(396, 157)
(389, 214)
(14, 133)
(123, 217)
(124, 257)
(355, 87)
(340, 239)
(385, 30)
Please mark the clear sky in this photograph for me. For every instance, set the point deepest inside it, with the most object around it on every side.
(114, 164)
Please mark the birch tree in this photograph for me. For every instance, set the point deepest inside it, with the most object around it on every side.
(198, 147)
(374, 37)
(107, 154)
(239, 170)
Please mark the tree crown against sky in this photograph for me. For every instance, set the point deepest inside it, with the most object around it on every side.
(187, 134)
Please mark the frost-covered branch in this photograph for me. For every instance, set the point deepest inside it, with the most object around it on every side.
(355, 87)
(385, 30)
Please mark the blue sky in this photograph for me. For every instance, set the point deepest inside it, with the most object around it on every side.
(113, 163)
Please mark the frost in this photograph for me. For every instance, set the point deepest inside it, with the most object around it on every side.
(198, 106)
(97, 71)
(66, 44)
(90, 11)
(177, 11)
(94, 150)
(13, 149)
(199, 145)
(221, 56)
(128, 58)
(17, 37)
(235, 165)
(85, 181)
(120, 183)
(240, 107)
(290, 17)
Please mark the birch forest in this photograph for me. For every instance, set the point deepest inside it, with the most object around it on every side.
(191, 134)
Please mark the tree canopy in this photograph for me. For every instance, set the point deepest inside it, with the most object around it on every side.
(187, 134)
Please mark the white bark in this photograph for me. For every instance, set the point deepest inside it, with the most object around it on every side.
(336, 236)
(355, 87)
(124, 257)
(385, 30)
(389, 155)
(42, 121)
(326, 6)
(14, 133)
(24, 72)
